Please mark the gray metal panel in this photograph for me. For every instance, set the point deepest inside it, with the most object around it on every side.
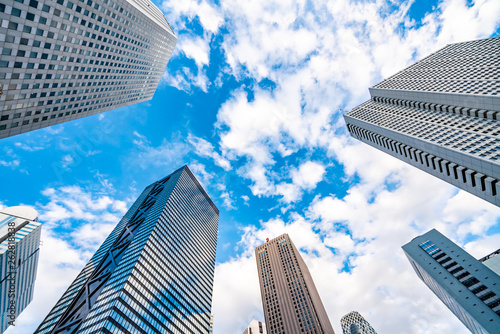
(458, 279)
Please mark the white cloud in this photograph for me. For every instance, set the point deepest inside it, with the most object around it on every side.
(168, 153)
(74, 203)
(381, 284)
(30, 148)
(67, 160)
(205, 149)
(195, 48)
(306, 177)
(321, 56)
(185, 80)
(11, 163)
(179, 12)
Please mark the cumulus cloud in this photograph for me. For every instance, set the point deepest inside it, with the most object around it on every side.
(353, 250)
(322, 57)
(205, 149)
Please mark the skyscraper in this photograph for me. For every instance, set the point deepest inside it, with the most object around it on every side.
(441, 115)
(19, 249)
(62, 60)
(354, 323)
(467, 286)
(492, 261)
(255, 327)
(289, 296)
(154, 273)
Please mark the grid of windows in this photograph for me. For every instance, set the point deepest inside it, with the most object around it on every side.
(62, 60)
(163, 260)
(445, 106)
(482, 185)
(465, 68)
(354, 323)
(287, 288)
(474, 136)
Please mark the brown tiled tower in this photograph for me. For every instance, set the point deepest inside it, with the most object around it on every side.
(291, 302)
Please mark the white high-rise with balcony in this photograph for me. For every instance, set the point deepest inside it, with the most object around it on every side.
(441, 115)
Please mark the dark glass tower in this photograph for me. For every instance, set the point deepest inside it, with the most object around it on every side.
(154, 273)
(291, 301)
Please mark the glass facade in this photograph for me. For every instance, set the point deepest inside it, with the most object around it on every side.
(466, 286)
(154, 273)
(66, 59)
(19, 251)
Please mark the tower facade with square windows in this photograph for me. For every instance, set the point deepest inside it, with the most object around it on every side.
(66, 59)
(154, 273)
(468, 287)
(441, 115)
(289, 296)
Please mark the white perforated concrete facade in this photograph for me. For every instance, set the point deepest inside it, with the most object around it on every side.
(441, 115)
(466, 286)
(62, 60)
(354, 323)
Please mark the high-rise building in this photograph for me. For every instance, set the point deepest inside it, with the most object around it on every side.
(19, 250)
(441, 115)
(211, 330)
(289, 296)
(354, 323)
(492, 261)
(255, 327)
(469, 288)
(154, 273)
(62, 60)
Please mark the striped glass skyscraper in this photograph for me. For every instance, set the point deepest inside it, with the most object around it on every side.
(66, 59)
(468, 287)
(354, 323)
(289, 296)
(154, 273)
(19, 251)
(441, 115)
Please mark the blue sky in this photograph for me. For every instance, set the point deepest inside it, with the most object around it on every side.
(252, 100)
